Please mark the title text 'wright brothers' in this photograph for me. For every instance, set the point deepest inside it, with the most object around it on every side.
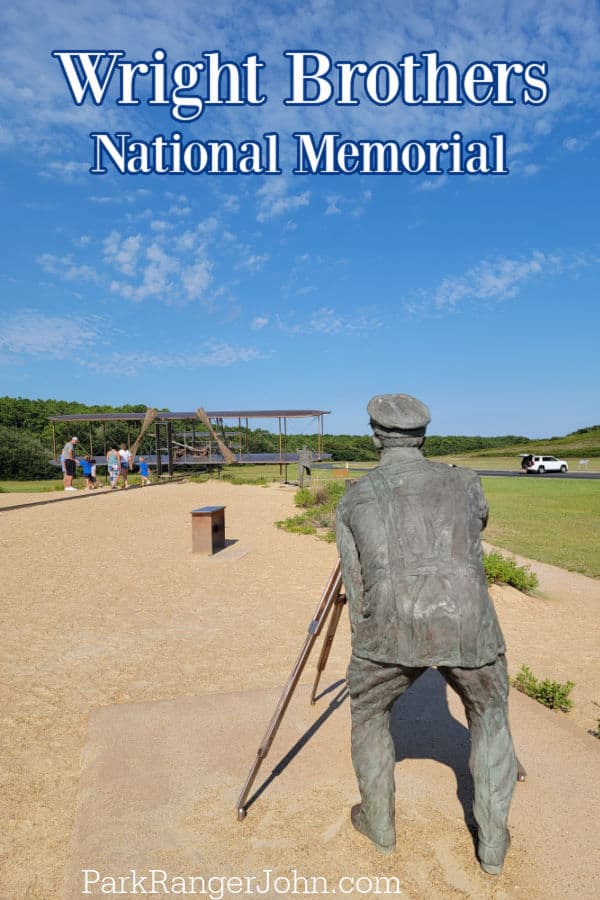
(188, 88)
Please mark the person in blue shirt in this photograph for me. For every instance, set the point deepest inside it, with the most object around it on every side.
(144, 472)
(87, 466)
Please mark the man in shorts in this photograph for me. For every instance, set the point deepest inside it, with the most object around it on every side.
(69, 462)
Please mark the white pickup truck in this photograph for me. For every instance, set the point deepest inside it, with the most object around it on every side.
(541, 464)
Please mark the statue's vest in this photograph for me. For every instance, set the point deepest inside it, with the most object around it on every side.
(423, 600)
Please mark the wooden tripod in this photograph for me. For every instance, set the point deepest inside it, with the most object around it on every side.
(332, 602)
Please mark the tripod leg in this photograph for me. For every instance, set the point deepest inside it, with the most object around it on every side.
(339, 603)
(324, 607)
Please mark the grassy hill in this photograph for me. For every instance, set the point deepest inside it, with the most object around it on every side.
(585, 442)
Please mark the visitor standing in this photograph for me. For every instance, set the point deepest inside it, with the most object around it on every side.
(113, 462)
(126, 460)
(69, 462)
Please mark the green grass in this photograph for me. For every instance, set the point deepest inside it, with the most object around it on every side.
(30, 487)
(268, 473)
(243, 474)
(555, 521)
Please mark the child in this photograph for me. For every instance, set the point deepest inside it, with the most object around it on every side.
(86, 467)
(144, 472)
(93, 472)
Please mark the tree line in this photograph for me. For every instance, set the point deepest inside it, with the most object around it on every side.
(26, 437)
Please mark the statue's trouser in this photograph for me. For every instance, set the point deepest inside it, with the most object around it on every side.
(373, 688)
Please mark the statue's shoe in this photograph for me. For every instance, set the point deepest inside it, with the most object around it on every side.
(358, 821)
(491, 859)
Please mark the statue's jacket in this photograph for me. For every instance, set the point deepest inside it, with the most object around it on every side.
(409, 538)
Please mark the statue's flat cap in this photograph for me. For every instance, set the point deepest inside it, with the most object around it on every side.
(398, 412)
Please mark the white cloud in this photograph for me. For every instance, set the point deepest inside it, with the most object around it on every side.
(432, 184)
(338, 204)
(123, 252)
(230, 203)
(327, 320)
(497, 279)
(274, 199)
(208, 225)
(160, 272)
(160, 225)
(179, 210)
(65, 267)
(36, 334)
(253, 262)
(69, 171)
(574, 144)
(196, 278)
(259, 322)
(187, 241)
(490, 280)
(212, 353)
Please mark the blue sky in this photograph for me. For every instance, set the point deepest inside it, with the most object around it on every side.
(478, 294)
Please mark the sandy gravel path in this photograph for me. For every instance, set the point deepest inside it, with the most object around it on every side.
(103, 603)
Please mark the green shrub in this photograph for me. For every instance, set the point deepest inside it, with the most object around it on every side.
(23, 457)
(318, 517)
(320, 495)
(303, 498)
(296, 525)
(552, 694)
(335, 491)
(501, 569)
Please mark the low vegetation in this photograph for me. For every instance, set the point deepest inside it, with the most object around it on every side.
(552, 694)
(318, 511)
(502, 570)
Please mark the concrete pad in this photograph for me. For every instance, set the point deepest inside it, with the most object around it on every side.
(160, 782)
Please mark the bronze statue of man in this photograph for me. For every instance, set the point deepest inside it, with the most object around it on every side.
(409, 538)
